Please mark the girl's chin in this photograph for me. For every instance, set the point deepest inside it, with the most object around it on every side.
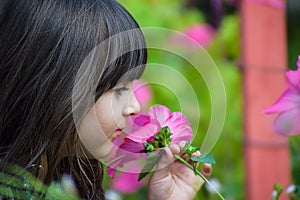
(106, 151)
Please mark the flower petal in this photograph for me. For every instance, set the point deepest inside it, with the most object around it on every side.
(294, 78)
(116, 144)
(127, 157)
(142, 120)
(288, 123)
(298, 62)
(135, 122)
(289, 100)
(176, 120)
(123, 147)
(183, 133)
(142, 134)
(127, 181)
(132, 146)
(111, 171)
(160, 113)
(128, 146)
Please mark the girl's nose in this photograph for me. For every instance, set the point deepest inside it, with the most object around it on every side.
(132, 107)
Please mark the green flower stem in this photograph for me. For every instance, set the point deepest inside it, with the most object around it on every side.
(114, 160)
(198, 173)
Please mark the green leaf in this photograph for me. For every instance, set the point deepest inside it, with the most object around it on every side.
(189, 148)
(152, 159)
(21, 184)
(205, 158)
(11, 192)
(297, 192)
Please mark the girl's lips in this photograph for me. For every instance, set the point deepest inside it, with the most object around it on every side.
(119, 132)
(116, 134)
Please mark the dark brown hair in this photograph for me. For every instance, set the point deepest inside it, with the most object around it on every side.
(43, 44)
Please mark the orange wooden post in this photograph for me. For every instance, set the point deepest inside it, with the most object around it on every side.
(264, 63)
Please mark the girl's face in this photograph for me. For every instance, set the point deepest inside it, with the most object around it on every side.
(107, 119)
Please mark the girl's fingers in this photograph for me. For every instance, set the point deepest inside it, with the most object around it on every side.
(167, 157)
(196, 154)
(182, 144)
(163, 171)
(206, 170)
(175, 148)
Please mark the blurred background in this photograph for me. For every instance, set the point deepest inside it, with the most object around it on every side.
(217, 25)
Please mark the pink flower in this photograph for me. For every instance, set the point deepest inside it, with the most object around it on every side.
(127, 151)
(194, 36)
(147, 126)
(143, 128)
(288, 106)
(201, 33)
(127, 181)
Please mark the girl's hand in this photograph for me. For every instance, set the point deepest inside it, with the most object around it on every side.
(173, 180)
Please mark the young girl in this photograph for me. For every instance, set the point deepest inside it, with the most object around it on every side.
(66, 69)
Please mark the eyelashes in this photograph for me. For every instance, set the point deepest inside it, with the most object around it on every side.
(120, 90)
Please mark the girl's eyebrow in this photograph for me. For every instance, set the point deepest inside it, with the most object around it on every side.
(122, 88)
(118, 90)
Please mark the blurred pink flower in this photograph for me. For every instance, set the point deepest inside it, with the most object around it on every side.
(201, 33)
(127, 181)
(194, 37)
(288, 106)
(143, 93)
(143, 128)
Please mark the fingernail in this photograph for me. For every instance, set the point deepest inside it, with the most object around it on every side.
(197, 153)
(206, 168)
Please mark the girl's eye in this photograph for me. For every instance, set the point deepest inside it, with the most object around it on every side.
(120, 90)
